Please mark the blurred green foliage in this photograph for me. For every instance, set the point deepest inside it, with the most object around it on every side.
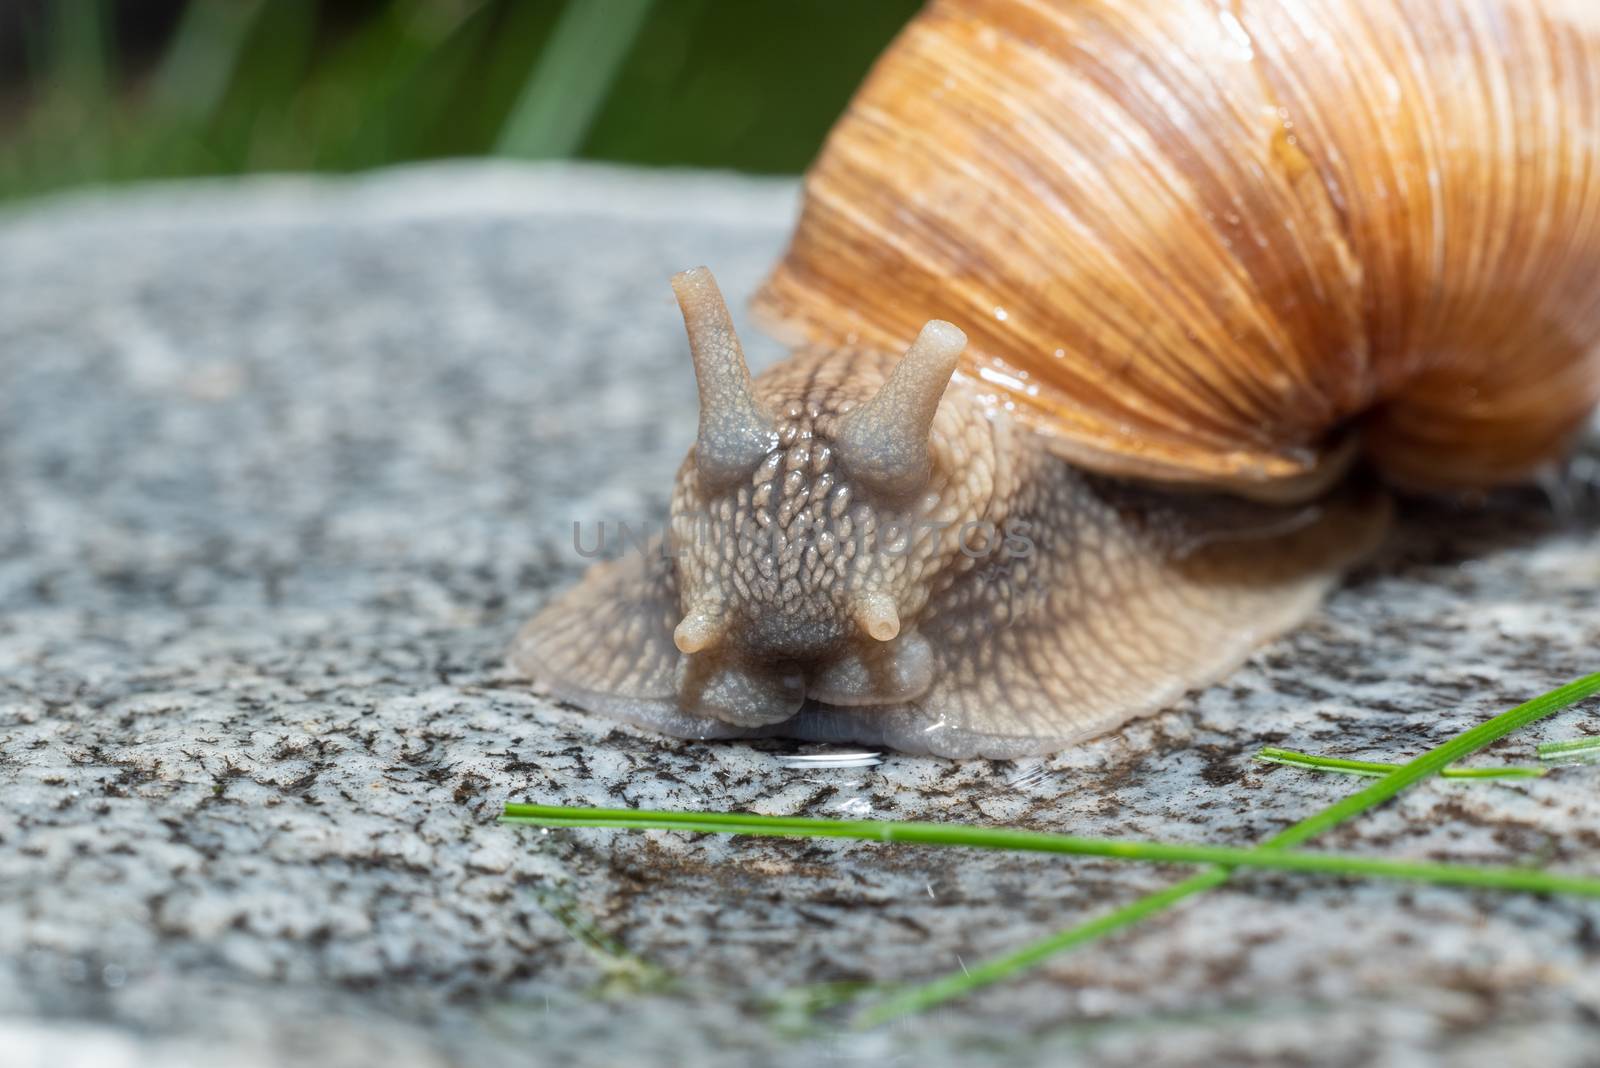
(102, 90)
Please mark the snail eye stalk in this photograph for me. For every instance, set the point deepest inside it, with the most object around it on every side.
(735, 434)
(885, 441)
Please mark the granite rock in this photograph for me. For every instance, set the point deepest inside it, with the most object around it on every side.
(287, 461)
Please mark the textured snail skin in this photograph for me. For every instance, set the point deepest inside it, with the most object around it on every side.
(1197, 253)
(1036, 605)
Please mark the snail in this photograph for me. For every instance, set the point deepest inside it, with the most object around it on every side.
(1117, 322)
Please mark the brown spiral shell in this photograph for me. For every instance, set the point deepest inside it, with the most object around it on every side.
(1200, 241)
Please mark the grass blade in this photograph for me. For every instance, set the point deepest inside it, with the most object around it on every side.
(1290, 758)
(198, 64)
(1436, 760)
(925, 996)
(569, 84)
(919, 998)
(1579, 750)
(1019, 840)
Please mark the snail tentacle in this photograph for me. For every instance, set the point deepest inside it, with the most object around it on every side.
(734, 432)
(884, 442)
(700, 628)
(875, 613)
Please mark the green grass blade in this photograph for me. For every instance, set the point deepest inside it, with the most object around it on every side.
(1016, 839)
(568, 86)
(355, 105)
(194, 72)
(925, 996)
(1577, 750)
(1436, 760)
(402, 114)
(1292, 759)
(919, 998)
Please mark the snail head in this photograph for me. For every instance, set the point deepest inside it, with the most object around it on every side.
(812, 518)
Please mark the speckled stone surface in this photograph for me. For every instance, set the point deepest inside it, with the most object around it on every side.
(285, 464)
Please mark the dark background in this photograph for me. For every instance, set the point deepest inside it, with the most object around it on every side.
(98, 91)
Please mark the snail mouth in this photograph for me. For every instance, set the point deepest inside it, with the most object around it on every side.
(876, 673)
(747, 692)
(740, 692)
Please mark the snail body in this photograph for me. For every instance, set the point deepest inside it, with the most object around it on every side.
(1205, 262)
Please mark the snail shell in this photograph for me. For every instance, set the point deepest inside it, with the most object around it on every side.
(1199, 258)
(1203, 242)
